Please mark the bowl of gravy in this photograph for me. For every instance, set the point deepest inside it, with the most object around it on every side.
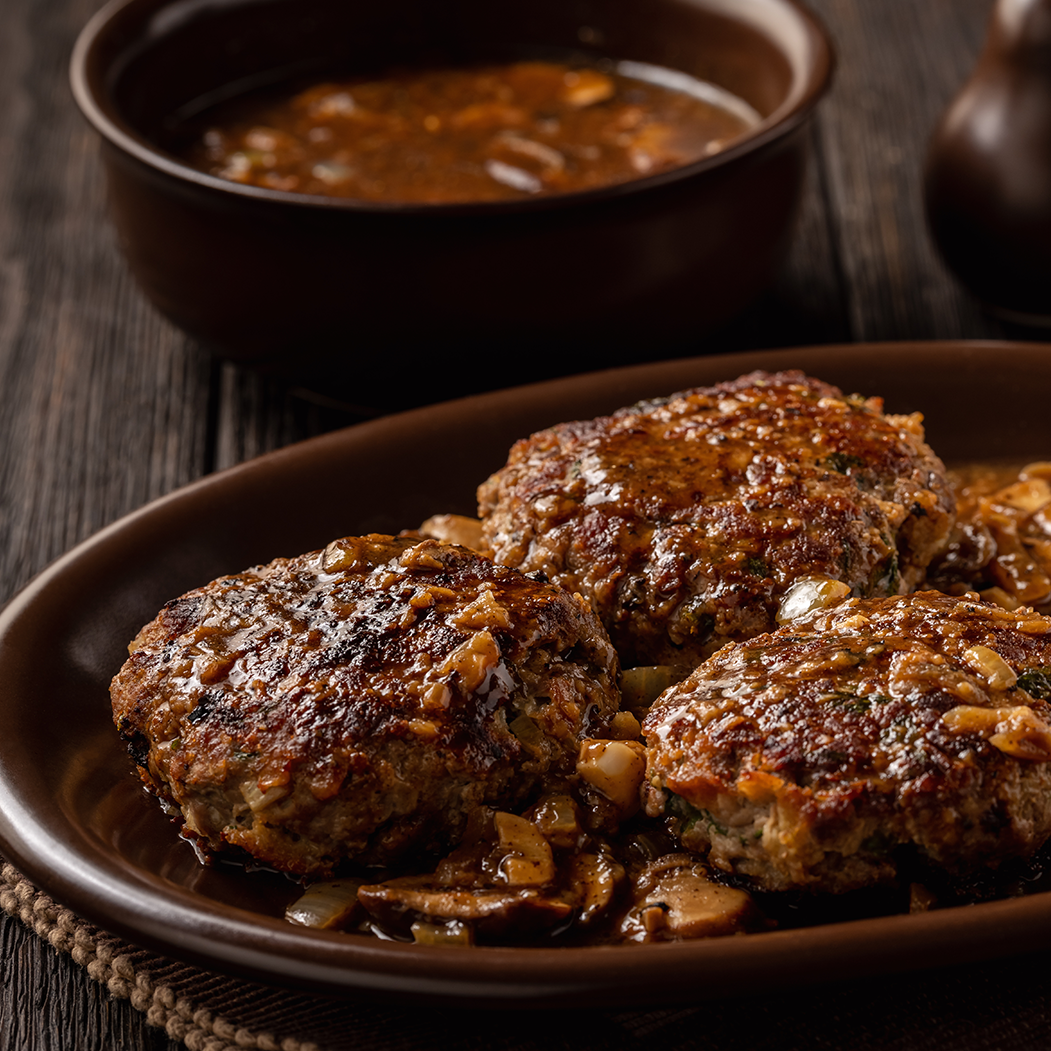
(435, 199)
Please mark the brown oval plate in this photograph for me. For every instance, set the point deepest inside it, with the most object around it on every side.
(75, 821)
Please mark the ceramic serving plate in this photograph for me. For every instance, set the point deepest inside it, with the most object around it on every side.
(74, 819)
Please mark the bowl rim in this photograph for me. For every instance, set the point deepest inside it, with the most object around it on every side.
(95, 102)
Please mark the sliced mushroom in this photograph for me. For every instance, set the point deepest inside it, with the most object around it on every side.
(676, 899)
(527, 860)
(593, 880)
(491, 912)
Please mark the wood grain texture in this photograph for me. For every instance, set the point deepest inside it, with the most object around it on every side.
(899, 66)
(104, 405)
(48, 1004)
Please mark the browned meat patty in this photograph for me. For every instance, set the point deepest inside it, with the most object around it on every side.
(809, 757)
(358, 702)
(686, 520)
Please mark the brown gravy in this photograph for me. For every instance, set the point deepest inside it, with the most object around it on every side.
(485, 133)
(1001, 545)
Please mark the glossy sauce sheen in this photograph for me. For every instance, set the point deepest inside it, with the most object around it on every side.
(1001, 543)
(685, 520)
(386, 694)
(811, 755)
(358, 701)
(495, 132)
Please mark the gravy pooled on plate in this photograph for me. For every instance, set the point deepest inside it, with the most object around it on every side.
(492, 132)
(442, 744)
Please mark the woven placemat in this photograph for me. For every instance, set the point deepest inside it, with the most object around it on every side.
(1001, 1005)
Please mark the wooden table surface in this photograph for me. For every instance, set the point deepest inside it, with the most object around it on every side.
(104, 405)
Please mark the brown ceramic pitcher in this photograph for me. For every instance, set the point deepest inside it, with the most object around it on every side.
(988, 175)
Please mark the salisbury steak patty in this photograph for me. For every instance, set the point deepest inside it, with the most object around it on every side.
(685, 520)
(808, 757)
(358, 702)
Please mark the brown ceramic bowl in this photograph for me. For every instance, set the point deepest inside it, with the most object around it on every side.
(75, 820)
(584, 278)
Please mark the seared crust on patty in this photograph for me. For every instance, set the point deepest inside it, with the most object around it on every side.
(357, 703)
(685, 520)
(806, 758)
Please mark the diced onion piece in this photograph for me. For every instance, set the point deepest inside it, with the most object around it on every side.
(424, 728)
(472, 660)
(1034, 625)
(1028, 495)
(454, 933)
(483, 612)
(1017, 731)
(557, 819)
(258, 799)
(808, 594)
(528, 733)
(327, 906)
(1024, 735)
(338, 558)
(971, 718)
(585, 87)
(991, 666)
(625, 727)
(614, 768)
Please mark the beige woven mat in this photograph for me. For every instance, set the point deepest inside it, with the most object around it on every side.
(1004, 1005)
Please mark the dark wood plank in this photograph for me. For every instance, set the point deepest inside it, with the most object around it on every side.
(47, 1003)
(102, 406)
(899, 66)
